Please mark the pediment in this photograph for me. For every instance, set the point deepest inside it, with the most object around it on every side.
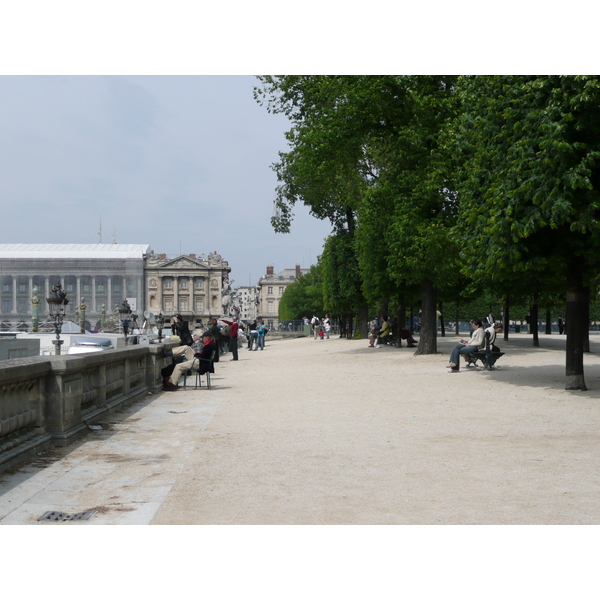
(182, 262)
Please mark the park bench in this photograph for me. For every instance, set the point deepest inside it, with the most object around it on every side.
(487, 356)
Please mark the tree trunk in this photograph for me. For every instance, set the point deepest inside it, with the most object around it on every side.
(385, 307)
(411, 325)
(575, 316)
(363, 315)
(428, 336)
(457, 324)
(548, 322)
(586, 338)
(506, 323)
(401, 319)
(534, 321)
(442, 328)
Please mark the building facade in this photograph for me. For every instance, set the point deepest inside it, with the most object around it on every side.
(100, 276)
(270, 290)
(246, 299)
(196, 287)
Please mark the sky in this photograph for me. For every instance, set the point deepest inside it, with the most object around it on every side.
(182, 163)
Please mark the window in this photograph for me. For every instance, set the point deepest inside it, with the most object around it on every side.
(117, 287)
(168, 283)
(281, 288)
(168, 304)
(69, 287)
(86, 287)
(270, 307)
(270, 290)
(22, 287)
(199, 302)
(183, 303)
(5, 306)
(199, 283)
(183, 284)
(22, 306)
(100, 287)
(130, 288)
(6, 287)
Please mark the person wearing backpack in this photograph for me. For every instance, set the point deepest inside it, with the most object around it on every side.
(261, 332)
(315, 325)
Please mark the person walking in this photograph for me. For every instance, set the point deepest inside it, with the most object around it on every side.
(261, 332)
(327, 325)
(315, 323)
(252, 335)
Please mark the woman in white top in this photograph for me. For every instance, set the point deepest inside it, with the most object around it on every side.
(475, 343)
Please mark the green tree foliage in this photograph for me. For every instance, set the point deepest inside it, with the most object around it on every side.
(303, 297)
(341, 275)
(528, 150)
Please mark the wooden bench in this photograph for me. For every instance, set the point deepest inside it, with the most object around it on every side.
(487, 357)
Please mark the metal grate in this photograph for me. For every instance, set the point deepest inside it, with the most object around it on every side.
(53, 515)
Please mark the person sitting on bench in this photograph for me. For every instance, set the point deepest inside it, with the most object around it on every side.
(475, 343)
(493, 330)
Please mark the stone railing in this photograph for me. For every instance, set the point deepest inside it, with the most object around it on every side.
(51, 400)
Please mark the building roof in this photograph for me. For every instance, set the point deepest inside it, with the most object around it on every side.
(101, 251)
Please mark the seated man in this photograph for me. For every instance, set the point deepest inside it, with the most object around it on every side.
(475, 343)
(170, 384)
(493, 330)
(405, 334)
(384, 332)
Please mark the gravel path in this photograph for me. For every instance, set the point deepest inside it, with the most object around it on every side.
(333, 432)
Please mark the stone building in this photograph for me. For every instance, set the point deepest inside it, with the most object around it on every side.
(246, 299)
(270, 290)
(96, 274)
(196, 287)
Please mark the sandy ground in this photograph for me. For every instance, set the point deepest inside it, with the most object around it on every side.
(334, 432)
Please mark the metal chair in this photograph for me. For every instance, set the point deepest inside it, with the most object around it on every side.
(196, 368)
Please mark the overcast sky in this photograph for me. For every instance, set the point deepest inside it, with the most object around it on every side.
(178, 162)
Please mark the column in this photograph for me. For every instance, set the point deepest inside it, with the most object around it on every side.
(14, 294)
(47, 295)
(109, 303)
(78, 292)
(124, 289)
(29, 305)
(175, 294)
(140, 299)
(94, 294)
(159, 292)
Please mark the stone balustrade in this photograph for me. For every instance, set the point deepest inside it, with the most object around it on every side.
(51, 400)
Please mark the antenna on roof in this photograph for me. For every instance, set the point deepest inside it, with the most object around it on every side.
(100, 230)
(114, 237)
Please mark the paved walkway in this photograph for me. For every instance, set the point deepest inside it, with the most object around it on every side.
(333, 432)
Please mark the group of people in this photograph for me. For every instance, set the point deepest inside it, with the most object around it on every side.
(321, 327)
(207, 347)
(382, 331)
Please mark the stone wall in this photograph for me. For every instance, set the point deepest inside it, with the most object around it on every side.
(51, 400)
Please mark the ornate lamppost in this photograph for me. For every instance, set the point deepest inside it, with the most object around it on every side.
(103, 318)
(125, 317)
(82, 308)
(57, 308)
(160, 323)
(35, 301)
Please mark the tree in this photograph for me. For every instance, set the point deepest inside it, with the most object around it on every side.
(303, 297)
(529, 152)
(365, 153)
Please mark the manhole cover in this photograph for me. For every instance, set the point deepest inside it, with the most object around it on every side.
(53, 515)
